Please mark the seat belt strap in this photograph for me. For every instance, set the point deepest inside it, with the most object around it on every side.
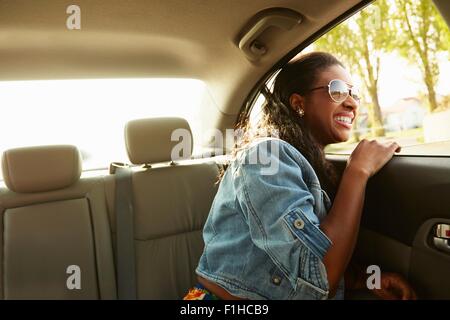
(125, 253)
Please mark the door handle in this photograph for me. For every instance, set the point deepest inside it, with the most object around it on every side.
(441, 244)
(443, 231)
(441, 239)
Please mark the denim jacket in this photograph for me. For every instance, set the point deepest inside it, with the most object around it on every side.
(262, 237)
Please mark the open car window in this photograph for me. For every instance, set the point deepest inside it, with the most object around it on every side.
(398, 54)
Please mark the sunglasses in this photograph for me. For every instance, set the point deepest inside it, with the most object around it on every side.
(339, 90)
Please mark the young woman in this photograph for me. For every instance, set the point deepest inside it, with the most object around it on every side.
(280, 226)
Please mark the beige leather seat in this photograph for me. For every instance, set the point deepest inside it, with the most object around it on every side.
(51, 220)
(171, 204)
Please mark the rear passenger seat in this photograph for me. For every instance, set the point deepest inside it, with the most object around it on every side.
(171, 204)
(51, 220)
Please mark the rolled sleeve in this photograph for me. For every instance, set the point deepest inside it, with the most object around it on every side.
(279, 209)
(307, 232)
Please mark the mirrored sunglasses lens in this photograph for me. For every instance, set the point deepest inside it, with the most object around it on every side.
(338, 90)
(356, 95)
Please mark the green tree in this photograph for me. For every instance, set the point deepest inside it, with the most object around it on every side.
(422, 35)
(359, 43)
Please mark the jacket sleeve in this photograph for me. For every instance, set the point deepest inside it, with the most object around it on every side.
(279, 210)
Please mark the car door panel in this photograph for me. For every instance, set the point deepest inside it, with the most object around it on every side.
(403, 204)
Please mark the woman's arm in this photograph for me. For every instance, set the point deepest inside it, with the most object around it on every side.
(342, 223)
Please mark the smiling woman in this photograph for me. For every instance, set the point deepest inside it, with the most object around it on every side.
(297, 245)
(91, 114)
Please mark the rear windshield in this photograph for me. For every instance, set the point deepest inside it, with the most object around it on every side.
(91, 114)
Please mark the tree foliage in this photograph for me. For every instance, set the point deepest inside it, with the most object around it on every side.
(422, 35)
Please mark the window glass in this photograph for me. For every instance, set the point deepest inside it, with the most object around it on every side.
(91, 114)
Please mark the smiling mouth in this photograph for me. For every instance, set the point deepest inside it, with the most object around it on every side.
(344, 121)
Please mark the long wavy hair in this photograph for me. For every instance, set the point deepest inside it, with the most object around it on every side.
(279, 119)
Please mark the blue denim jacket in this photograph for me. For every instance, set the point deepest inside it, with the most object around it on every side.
(262, 236)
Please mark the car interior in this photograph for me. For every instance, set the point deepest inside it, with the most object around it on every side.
(55, 213)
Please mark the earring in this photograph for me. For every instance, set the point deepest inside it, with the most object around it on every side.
(301, 112)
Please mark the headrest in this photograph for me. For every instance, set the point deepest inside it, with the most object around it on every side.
(158, 140)
(39, 169)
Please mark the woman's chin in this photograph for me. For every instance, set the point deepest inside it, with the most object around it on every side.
(341, 133)
(341, 138)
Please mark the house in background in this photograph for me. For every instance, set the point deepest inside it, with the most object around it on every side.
(406, 113)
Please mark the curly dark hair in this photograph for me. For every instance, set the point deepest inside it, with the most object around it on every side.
(281, 120)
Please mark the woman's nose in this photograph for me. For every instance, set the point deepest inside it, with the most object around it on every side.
(350, 102)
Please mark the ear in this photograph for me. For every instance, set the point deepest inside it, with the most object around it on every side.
(296, 101)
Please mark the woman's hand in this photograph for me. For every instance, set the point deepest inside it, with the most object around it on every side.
(394, 287)
(370, 156)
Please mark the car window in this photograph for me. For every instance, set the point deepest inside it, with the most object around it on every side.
(398, 54)
(91, 114)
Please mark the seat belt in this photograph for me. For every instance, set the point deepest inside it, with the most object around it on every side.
(125, 251)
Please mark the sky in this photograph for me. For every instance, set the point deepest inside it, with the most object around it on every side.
(400, 79)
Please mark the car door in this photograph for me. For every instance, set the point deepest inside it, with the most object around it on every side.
(406, 221)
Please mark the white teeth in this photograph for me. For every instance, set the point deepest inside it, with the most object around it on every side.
(344, 119)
